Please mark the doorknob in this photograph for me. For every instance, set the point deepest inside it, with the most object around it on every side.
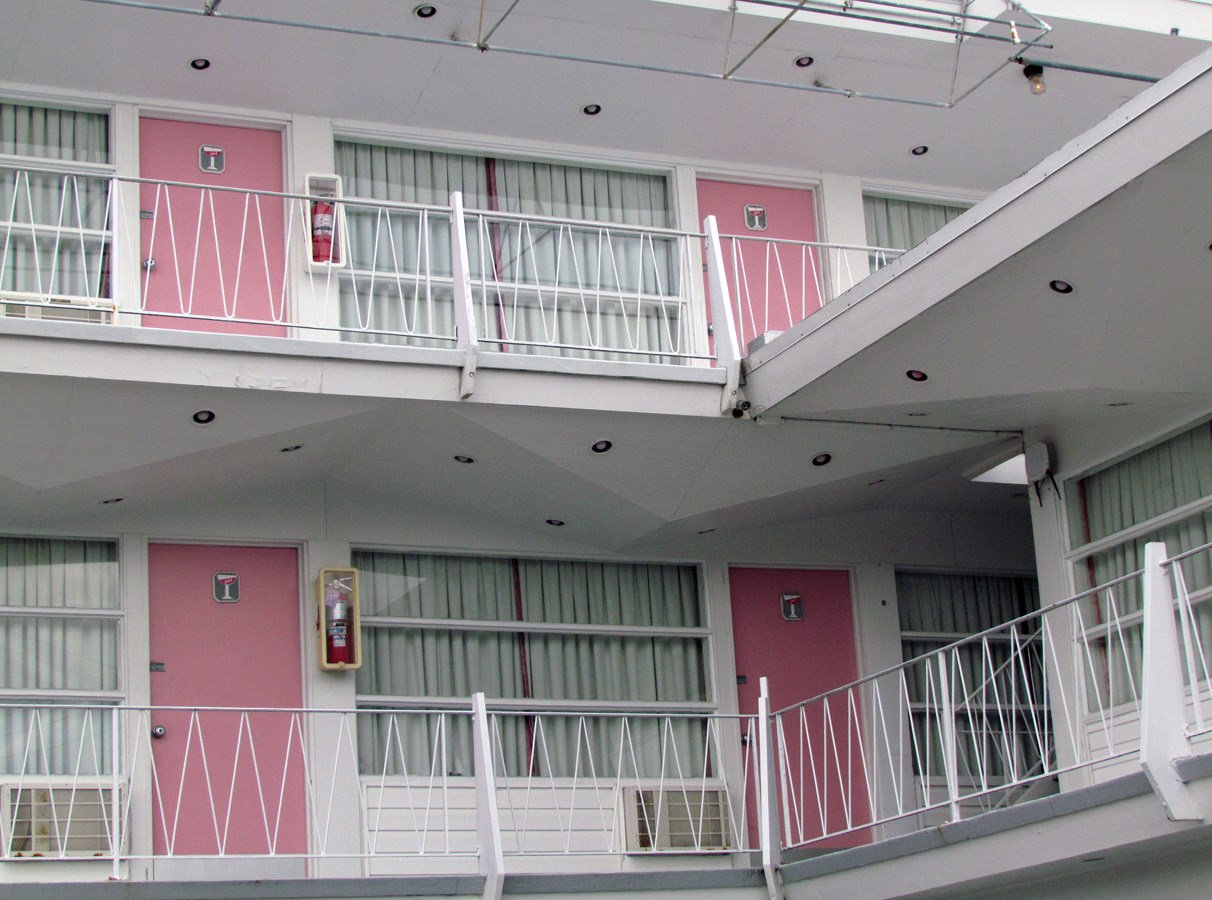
(158, 732)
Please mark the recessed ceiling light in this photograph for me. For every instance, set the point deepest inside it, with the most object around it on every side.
(1061, 287)
(199, 64)
(602, 446)
(1120, 403)
(591, 109)
(803, 62)
(707, 531)
(917, 415)
(425, 11)
(822, 459)
(111, 500)
(203, 417)
(291, 449)
(465, 460)
(877, 481)
(558, 523)
(916, 375)
(920, 150)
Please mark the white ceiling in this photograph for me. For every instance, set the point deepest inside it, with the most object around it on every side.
(986, 139)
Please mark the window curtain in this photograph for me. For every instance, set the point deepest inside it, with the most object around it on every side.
(419, 663)
(46, 247)
(1155, 481)
(900, 223)
(609, 290)
(937, 609)
(41, 651)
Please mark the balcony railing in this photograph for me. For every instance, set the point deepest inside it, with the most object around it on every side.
(96, 247)
(989, 721)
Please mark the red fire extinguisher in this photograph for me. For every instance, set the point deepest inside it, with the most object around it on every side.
(321, 231)
(340, 640)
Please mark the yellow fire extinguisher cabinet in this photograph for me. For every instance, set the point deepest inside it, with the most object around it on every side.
(339, 618)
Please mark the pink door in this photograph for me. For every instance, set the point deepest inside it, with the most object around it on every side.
(218, 257)
(223, 781)
(802, 659)
(773, 278)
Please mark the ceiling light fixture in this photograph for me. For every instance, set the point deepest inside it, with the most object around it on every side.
(1035, 75)
(822, 459)
(425, 11)
(707, 531)
(877, 481)
(203, 417)
(1061, 287)
(558, 523)
(465, 460)
(803, 62)
(917, 415)
(920, 150)
(291, 449)
(602, 446)
(916, 375)
(1120, 403)
(591, 109)
(111, 500)
(199, 64)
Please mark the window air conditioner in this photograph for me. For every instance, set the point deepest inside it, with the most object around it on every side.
(57, 819)
(676, 820)
(60, 309)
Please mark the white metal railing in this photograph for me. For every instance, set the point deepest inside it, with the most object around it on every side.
(777, 283)
(97, 247)
(984, 722)
(1191, 575)
(962, 730)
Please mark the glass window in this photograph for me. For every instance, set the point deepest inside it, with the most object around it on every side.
(532, 277)
(60, 643)
(54, 224)
(898, 223)
(444, 627)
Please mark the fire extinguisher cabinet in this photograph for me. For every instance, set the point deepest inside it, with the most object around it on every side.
(339, 619)
(325, 222)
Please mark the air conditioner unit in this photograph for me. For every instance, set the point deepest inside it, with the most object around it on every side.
(56, 819)
(60, 309)
(674, 820)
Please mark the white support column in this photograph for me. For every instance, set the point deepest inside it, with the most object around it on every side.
(126, 282)
(488, 819)
(464, 309)
(768, 808)
(842, 222)
(727, 346)
(1163, 738)
(315, 295)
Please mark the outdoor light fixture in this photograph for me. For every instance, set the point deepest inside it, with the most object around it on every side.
(425, 11)
(200, 64)
(591, 109)
(920, 150)
(822, 459)
(601, 446)
(203, 417)
(465, 460)
(1061, 287)
(556, 523)
(1035, 75)
(803, 62)
(916, 375)
(291, 449)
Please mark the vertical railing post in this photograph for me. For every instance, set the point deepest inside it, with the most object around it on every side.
(1163, 738)
(115, 804)
(768, 810)
(464, 310)
(950, 750)
(488, 820)
(727, 347)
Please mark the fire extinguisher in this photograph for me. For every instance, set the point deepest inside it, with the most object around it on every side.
(340, 646)
(321, 231)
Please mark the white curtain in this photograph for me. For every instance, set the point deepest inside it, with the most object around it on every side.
(600, 276)
(943, 608)
(41, 651)
(901, 223)
(1147, 484)
(45, 247)
(517, 665)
